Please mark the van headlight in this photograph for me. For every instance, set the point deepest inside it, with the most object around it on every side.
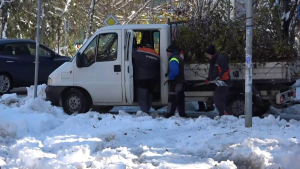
(49, 81)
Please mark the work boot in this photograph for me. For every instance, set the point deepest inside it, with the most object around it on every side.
(167, 115)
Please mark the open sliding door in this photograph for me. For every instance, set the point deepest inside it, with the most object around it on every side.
(129, 88)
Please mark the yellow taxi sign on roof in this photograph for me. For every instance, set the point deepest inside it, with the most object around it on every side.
(111, 20)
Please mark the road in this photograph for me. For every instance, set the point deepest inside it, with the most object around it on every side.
(19, 91)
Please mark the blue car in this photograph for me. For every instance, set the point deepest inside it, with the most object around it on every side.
(17, 63)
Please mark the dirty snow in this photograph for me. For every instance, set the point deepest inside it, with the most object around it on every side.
(34, 134)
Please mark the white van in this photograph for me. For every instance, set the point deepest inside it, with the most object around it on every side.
(101, 75)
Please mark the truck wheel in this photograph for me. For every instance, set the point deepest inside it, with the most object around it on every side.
(259, 111)
(237, 107)
(5, 83)
(75, 101)
(102, 109)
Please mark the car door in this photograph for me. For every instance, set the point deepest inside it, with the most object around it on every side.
(21, 63)
(101, 75)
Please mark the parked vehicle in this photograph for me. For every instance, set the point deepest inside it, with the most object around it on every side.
(101, 75)
(17, 63)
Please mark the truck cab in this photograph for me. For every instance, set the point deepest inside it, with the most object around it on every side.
(100, 74)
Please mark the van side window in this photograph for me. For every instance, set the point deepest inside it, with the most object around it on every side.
(156, 41)
(138, 35)
(107, 47)
(90, 53)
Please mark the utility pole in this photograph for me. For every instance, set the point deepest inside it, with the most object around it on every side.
(248, 72)
(37, 49)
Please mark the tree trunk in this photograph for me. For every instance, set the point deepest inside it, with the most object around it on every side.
(90, 21)
(286, 21)
(43, 26)
(4, 23)
(4, 17)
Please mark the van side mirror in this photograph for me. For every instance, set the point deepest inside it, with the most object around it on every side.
(79, 60)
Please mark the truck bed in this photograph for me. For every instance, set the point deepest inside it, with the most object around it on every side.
(271, 71)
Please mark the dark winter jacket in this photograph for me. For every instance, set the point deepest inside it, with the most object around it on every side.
(146, 64)
(219, 68)
(176, 68)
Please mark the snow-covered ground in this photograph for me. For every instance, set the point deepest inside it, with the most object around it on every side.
(36, 135)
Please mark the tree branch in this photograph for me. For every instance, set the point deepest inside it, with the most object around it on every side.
(134, 15)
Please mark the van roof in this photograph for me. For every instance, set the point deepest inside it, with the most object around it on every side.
(135, 26)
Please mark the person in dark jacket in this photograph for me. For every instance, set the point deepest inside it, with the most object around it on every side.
(146, 70)
(218, 70)
(176, 81)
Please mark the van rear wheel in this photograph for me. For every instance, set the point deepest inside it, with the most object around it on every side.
(75, 101)
(237, 105)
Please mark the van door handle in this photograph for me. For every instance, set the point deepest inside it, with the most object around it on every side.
(117, 68)
(9, 61)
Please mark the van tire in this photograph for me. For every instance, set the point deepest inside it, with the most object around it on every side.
(75, 101)
(102, 109)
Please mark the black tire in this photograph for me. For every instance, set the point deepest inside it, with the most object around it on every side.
(259, 111)
(102, 109)
(5, 83)
(237, 103)
(75, 101)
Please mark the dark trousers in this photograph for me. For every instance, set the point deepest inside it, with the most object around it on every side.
(176, 100)
(144, 97)
(202, 106)
(220, 99)
(145, 89)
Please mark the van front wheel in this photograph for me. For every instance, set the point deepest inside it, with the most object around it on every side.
(75, 101)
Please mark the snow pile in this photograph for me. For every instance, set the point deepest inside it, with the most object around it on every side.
(7, 129)
(10, 100)
(35, 134)
(51, 139)
(29, 104)
(40, 91)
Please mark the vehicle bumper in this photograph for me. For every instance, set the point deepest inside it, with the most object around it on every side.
(53, 94)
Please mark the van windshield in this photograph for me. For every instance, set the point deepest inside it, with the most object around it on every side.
(79, 49)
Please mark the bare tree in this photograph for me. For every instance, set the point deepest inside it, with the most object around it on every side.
(90, 20)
